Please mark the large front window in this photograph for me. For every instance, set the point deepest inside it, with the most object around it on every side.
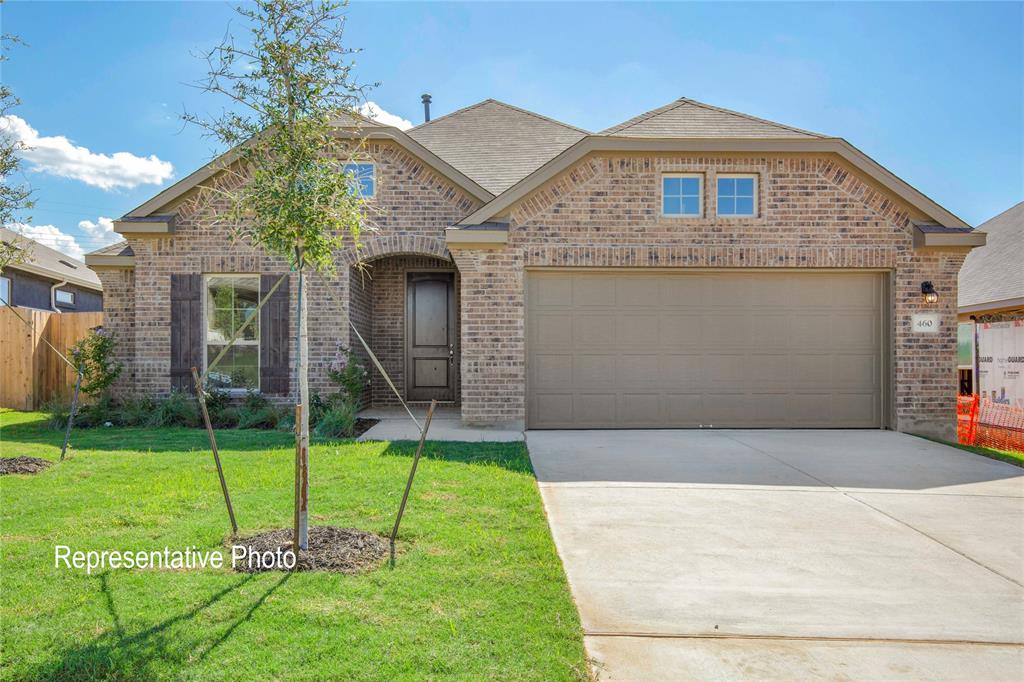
(230, 300)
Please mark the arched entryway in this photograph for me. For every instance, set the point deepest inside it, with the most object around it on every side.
(404, 300)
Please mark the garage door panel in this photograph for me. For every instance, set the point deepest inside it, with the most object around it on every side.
(593, 290)
(552, 331)
(594, 371)
(725, 349)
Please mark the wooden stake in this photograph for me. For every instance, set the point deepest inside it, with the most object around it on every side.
(298, 467)
(412, 474)
(201, 396)
(71, 417)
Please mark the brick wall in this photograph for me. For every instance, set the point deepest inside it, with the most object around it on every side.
(605, 212)
(412, 207)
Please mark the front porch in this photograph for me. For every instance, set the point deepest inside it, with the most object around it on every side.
(395, 424)
(406, 308)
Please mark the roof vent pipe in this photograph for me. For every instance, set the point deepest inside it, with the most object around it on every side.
(426, 107)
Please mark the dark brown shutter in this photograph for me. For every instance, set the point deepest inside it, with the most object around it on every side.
(274, 336)
(186, 329)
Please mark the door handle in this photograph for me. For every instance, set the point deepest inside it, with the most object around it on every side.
(451, 354)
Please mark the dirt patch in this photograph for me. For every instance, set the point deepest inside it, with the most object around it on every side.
(340, 550)
(23, 465)
(363, 425)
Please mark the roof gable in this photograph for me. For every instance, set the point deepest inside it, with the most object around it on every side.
(494, 143)
(691, 119)
(993, 273)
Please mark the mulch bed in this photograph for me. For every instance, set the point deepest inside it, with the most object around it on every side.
(23, 465)
(340, 550)
(363, 425)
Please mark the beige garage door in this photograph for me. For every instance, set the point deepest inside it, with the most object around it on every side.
(715, 349)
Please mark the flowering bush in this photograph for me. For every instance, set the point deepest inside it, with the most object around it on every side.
(347, 372)
(95, 355)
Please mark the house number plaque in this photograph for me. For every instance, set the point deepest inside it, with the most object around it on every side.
(925, 323)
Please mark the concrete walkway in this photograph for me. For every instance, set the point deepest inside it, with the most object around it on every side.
(855, 555)
(395, 424)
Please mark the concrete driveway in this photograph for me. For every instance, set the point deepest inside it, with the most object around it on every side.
(863, 555)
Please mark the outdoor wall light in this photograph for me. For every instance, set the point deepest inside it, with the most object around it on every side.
(929, 293)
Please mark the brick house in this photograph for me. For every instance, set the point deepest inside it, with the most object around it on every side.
(691, 267)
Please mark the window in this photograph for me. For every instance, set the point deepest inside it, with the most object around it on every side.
(363, 179)
(5, 290)
(737, 195)
(681, 194)
(64, 297)
(230, 299)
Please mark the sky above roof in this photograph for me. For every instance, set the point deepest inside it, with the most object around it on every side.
(931, 91)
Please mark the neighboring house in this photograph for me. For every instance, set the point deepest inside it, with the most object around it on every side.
(992, 294)
(49, 280)
(690, 267)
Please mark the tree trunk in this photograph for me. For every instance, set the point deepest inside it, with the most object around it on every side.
(302, 515)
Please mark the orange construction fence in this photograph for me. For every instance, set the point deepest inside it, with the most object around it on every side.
(982, 422)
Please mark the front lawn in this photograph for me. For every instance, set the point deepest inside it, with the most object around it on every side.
(478, 591)
(1003, 455)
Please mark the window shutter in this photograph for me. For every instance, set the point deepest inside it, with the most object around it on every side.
(186, 329)
(274, 336)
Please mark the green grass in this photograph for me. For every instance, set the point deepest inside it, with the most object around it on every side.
(478, 591)
(1003, 455)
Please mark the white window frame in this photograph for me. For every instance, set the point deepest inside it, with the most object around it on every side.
(757, 191)
(10, 291)
(206, 328)
(700, 195)
(373, 176)
(70, 294)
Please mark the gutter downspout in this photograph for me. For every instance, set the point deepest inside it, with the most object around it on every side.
(53, 296)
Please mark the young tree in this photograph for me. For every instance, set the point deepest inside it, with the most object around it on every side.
(284, 185)
(14, 198)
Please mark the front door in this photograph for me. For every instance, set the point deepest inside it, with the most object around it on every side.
(430, 339)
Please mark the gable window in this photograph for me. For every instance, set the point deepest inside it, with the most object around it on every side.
(363, 179)
(5, 291)
(64, 297)
(737, 195)
(681, 194)
(230, 299)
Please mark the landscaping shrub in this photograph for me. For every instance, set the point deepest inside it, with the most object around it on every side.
(178, 409)
(337, 421)
(223, 414)
(95, 355)
(137, 412)
(348, 373)
(257, 413)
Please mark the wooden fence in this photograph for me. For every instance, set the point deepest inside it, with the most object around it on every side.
(31, 374)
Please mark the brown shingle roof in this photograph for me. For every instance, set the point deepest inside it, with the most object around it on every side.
(494, 143)
(51, 263)
(994, 272)
(118, 249)
(689, 118)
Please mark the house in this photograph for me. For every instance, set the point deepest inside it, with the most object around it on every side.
(991, 295)
(690, 267)
(49, 280)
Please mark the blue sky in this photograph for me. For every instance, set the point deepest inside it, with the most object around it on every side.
(935, 92)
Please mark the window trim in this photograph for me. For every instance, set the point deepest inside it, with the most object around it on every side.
(10, 291)
(57, 294)
(700, 195)
(373, 176)
(207, 277)
(757, 191)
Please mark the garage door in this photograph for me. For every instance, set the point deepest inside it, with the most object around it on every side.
(637, 349)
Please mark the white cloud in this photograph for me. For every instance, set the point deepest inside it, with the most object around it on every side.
(101, 233)
(57, 155)
(50, 235)
(374, 111)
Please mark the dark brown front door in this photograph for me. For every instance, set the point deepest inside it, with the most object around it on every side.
(430, 338)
